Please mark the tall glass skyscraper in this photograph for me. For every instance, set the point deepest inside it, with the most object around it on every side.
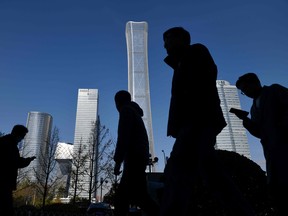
(233, 137)
(36, 142)
(138, 76)
(86, 117)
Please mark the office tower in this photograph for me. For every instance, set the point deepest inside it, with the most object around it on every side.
(36, 142)
(233, 137)
(138, 76)
(86, 117)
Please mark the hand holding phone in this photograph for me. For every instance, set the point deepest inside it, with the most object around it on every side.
(32, 158)
(241, 114)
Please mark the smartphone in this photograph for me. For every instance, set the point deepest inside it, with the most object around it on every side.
(239, 112)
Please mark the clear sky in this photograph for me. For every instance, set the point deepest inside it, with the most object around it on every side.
(50, 49)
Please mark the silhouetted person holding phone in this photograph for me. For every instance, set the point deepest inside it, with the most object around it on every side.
(269, 123)
(132, 150)
(195, 119)
(11, 161)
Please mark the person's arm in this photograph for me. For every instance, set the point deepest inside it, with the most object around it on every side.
(247, 122)
(24, 162)
(252, 127)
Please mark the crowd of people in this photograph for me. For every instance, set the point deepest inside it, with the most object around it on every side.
(194, 123)
(193, 160)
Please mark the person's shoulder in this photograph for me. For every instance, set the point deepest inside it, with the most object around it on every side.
(277, 89)
(127, 109)
(276, 86)
(5, 136)
(198, 46)
(137, 108)
(4, 139)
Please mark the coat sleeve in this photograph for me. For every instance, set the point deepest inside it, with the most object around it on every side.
(252, 127)
(23, 162)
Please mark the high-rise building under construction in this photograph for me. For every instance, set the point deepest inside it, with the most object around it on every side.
(138, 76)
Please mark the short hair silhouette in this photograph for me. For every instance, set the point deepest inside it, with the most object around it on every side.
(122, 96)
(19, 129)
(247, 78)
(178, 32)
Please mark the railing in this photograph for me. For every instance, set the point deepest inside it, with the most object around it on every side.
(41, 213)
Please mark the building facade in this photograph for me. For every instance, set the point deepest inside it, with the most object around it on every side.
(36, 142)
(63, 156)
(86, 118)
(233, 137)
(138, 75)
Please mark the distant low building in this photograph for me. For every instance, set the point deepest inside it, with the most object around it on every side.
(63, 156)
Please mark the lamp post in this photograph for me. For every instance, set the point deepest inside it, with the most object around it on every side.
(152, 162)
(165, 161)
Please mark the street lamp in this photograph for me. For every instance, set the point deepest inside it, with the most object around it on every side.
(165, 160)
(152, 162)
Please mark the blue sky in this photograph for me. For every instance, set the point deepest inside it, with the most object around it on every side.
(50, 49)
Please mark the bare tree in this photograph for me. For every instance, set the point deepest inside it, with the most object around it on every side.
(46, 176)
(78, 170)
(100, 155)
(92, 159)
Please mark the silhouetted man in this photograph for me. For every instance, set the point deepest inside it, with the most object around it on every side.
(195, 119)
(269, 123)
(132, 150)
(11, 161)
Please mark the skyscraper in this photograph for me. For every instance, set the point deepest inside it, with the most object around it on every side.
(233, 137)
(138, 76)
(86, 118)
(36, 142)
